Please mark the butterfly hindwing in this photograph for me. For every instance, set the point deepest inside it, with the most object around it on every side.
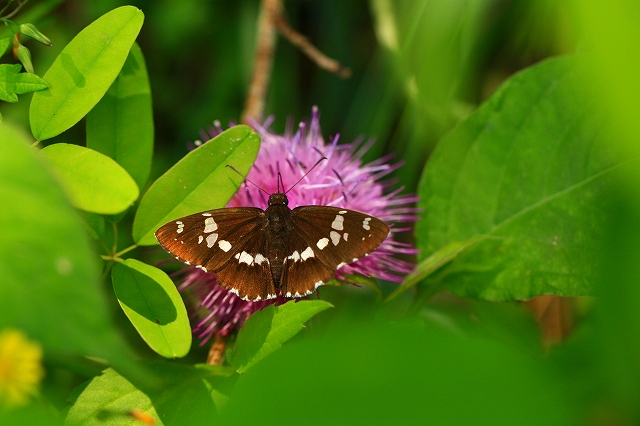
(248, 273)
(302, 271)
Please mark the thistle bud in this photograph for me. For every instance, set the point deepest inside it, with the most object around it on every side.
(24, 56)
(31, 31)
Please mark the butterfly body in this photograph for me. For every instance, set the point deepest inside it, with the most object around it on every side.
(257, 253)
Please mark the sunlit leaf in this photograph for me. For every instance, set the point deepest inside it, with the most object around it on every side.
(200, 181)
(83, 71)
(153, 305)
(110, 399)
(266, 330)
(93, 181)
(14, 83)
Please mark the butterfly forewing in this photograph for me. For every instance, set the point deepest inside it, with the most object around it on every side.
(323, 240)
(210, 239)
(339, 236)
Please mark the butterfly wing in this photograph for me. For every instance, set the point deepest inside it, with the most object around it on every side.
(325, 239)
(229, 242)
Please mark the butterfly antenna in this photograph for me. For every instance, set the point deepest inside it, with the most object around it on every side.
(305, 175)
(246, 178)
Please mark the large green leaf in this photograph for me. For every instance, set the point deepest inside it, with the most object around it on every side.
(110, 399)
(266, 330)
(121, 124)
(94, 182)
(83, 71)
(200, 181)
(153, 305)
(50, 285)
(395, 374)
(14, 83)
(524, 171)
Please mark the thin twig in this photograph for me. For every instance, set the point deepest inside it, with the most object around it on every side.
(254, 105)
(303, 43)
(16, 10)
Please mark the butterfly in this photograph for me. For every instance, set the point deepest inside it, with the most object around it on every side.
(257, 253)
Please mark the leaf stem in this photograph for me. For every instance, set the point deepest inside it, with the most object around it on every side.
(126, 250)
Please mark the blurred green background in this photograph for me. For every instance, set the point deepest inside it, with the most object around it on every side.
(418, 67)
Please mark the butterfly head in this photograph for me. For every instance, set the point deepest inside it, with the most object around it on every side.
(278, 199)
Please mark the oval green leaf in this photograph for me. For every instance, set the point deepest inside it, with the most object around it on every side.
(526, 169)
(121, 124)
(93, 181)
(83, 71)
(109, 399)
(153, 305)
(199, 181)
(266, 330)
(50, 285)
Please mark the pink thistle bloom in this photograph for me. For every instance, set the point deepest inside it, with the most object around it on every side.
(341, 181)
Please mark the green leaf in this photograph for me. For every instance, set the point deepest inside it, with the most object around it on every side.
(153, 305)
(13, 82)
(5, 42)
(83, 71)
(200, 181)
(121, 124)
(110, 399)
(266, 330)
(432, 263)
(526, 169)
(93, 181)
(186, 397)
(50, 285)
(426, 376)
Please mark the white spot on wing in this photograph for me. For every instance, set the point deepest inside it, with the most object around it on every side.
(210, 225)
(342, 212)
(224, 245)
(295, 256)
(345, 236)
(200, 239)
(337, 223)
(340, 265)
(246, 258)
(211, 240)
(307, 253)
(318, 284)
(206, 214)
(322, 243)
(365, 223)
(180, 226)
(335, 237)
(201, 267)
(259, 259)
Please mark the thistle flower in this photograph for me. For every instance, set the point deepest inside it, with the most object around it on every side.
(341, 181)
(20, 368)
